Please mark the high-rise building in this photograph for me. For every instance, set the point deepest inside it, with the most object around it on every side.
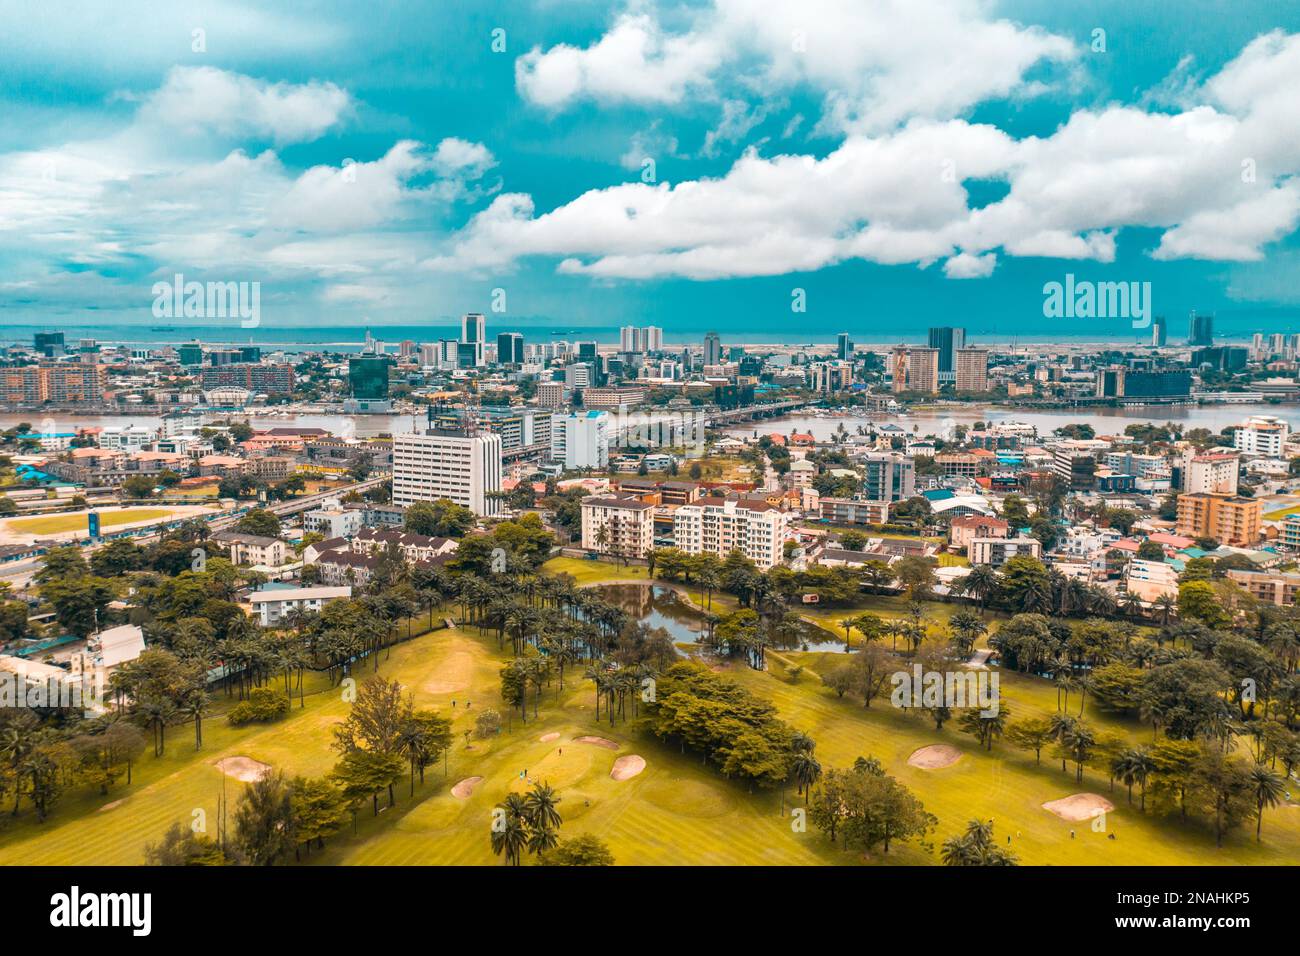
(272, 379)
(947, 340)
(1159, 332)
(1211, 473)
(1200, 329)
(972, 370)
(578, 375)
(510, 348)
(1261, 435)
(580, 439)
(712, 349)
(843, 347)
(368, 377)
(1120, 382)
(633, 339)
(473, 331)
(916, 369)
(465, 469)
(49, 344)
(34, 384)
(190, 354)
(550, 394)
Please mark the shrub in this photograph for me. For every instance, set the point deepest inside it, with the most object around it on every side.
(263, 705)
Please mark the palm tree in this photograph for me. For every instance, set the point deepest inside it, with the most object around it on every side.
(540, 807)
(847, 623)
(1165, 605)
(1269, 789)
(193, 707)
(982, 582)
(509, 835)
(807, 770)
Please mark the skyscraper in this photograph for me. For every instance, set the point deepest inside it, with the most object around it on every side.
(972, 373)
(947, 340)
(1200, 329)
(1159, 332)
(510, 348)
(916, 369)
(465, 469)
(844, 347)
(473, 331)
(712, 348)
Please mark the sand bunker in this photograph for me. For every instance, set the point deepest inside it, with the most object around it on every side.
(547, 738)
(934, 757)
(1078, 807)
(112, 806)
(597, 742)
(243, 768)
(625, 768)
(463, 789)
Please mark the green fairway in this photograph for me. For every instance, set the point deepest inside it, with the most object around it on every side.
(57, 524)
(678, 811)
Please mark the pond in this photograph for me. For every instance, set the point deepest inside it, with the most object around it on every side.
(659, 606)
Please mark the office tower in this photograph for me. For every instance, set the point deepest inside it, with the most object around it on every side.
(1257, 347)
(916, 369)
(510, 348)
(947, 340)
(550, 394)
(472, 332)
(1120, 382)
(1159, 332)
(654, 338)
(712, 349)
(48, 344)
(431, 354)
(972, 370)
(465, 469)
(627, 339)
(843, 347)
(577, 375)
(368, 377)
(580, 439)
(1200, 330)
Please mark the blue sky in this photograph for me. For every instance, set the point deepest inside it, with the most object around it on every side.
(904, 164)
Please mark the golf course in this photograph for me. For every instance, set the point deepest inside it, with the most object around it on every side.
(651, 802)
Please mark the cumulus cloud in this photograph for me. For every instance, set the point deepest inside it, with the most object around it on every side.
(877, 64)
(1216, 178)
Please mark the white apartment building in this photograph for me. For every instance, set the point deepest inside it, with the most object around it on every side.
(465, 469)
(126, 437)
(333, 521)
(998, 551)
(1262, 435)
(580, 439)
(254, 549)
(621, 525)
(1211, 473)
(757, 530)
(272, 607)
(1150, 580)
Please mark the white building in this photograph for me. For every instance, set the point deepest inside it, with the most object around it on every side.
(621, 525)
(271, 607)
(998, 551)
(473, 331)
(580, 439)
(334, 521)
(1262, 435)
(126, 437)
(1150, 580)
(1211, 473)
(755, 529)
(253, 548)
(465, 469)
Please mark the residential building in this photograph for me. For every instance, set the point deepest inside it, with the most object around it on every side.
(998, 551)
(718, 527)
(618, 524)
(915, 369)
(1211, 473)
(972, 371)
(334, 521)
(1231, 521)
(853, 511)
(580, 440)
(888, 476)
(1151, 580)
(272, 379)
(465, 469)
(273, 607)
(253, 549)
(1262, 435)
(551, 394)
(965, 528)
(414, 547)
(1272, 587)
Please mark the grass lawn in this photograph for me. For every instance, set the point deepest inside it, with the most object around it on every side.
(677, 811)
(1281, 513)
(56, 524)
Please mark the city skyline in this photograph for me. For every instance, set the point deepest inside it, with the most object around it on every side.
(223, 152)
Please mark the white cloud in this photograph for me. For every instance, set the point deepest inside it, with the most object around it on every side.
(877, 64)
(897, 196)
